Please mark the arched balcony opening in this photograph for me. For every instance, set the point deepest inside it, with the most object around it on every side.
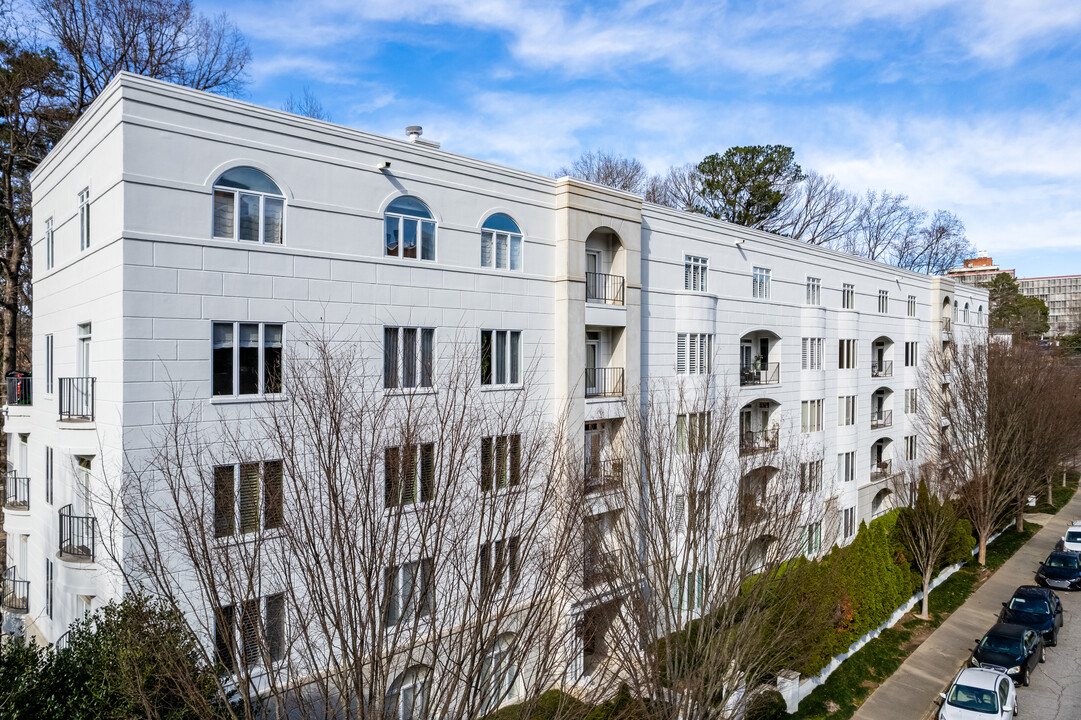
(759, 358)
(882, 460)
(754, 489)
(756, 556)
(882, 408)
(759, 424)
(605, 267)
(882, 357)
(882, 502)
(947, 314)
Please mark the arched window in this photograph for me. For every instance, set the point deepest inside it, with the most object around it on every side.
(880, 503)
(407, 223)
(499, 678)
(248, 206)
(979, 315)
(407, 698)
(966, 312)
(500, 243)
(955, 311)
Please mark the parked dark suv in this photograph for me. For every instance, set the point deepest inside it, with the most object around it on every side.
(1037, 608)
(1061, 570)
(1013, 649)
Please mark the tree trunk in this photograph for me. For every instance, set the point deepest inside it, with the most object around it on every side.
(925, 611)
(1019, 525)
(981, 556)
(1063, 478)
(1050, 492)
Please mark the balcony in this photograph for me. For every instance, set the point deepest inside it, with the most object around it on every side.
(758, 441)
(16, 492)
(764, 374)
(604, 475)
(77, 398)
(882, 470)
(947, 329)
(600, 567)
(16, 593)
(78, 534)
(19, 391)
(604, 288)
(882, 369)
(604, 382)
(881, 419)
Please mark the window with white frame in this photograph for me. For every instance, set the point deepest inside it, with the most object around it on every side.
(966, 312)
(500, 243)
(847, 354)
(811, 416)
(693, 432)
(499, 565)
(408, 357)
(979, 315)
(695, 272)
(49, 364)
(500, 462)
(811, 539)
(407, 697)
(49, 244)
(910, 400)
(408, 474)
(846, 466)
(248, 497)
(912, 354)
(84, 219)
(689, 589)
(248, 206)
(811, 353)
(500, 357)
(883, 301)
(247, 359)
(50, 587)
(814, 291)
(500, 680)
(760, 281)
(407, 224)
(848, 296)
(912, 306)
(694, 353)
(846, 410)
(850, 522)
(409, 591)
(810, 476)
(49, 475)
(251, 633)
(910, 447)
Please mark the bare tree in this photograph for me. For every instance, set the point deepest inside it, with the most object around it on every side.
(937, 247)
(609, 169)
(165, 39)
(926, 527)
(819, 212)
(308, 105)
(678, 188)
(884, 222)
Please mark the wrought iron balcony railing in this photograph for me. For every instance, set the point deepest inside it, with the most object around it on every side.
(764, 374)
(19, 391)
(77, 398)
(882, 369)
(78, 535)
(601, 287)
(604, 382)
(881, 470)
(881, 419)
(16, 491)
(604, 475)
(756, 441)
(16, 593)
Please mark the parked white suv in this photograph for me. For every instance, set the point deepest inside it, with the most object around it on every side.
(1072, 539)
(979, 694)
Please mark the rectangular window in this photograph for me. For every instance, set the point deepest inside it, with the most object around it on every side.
(409, 474)
(402, 234)
(910, 447)
(760, 283)
(811, 416)
(811, 353)
(409, 591)
(846, 410)
(84, 219)
(247, 358)
(49, 364)
(912, 354)
(910, 400)
(499, 565)
(689, 590)
(850, 522)
(848, 296)
(694, 353)
(500, 250)
(847, 354)
(408, 357)
(261, 630)
(49, 245)
(911, 306)
(812, 539)
(500, 462)
(883, 301)
(500, 357)
(810, 476)
(846, 466)
(248, 498)
(693, 432)
(49, 475)
(695, 271)
(49, 587)
(814, 291)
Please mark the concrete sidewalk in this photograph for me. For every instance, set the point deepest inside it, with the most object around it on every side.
(909, 693)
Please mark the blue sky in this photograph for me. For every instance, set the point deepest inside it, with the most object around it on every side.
(972, 106)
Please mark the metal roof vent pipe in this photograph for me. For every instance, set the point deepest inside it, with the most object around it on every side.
(414, 132)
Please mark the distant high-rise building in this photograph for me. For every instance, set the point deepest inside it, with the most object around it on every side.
(977, 270)
(1063, 297)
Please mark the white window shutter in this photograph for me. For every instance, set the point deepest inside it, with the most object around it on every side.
(803, 353)
(692, 366)
(681, 354)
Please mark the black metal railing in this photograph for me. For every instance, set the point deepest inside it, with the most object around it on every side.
(16, 593)
(77, 398)
(881, 419)
(604, 475)
(882, 369)
(604, 382)
(600, 567)
(601, 287)
(764, 374)
(751, 511)
(947, 325)
(882, 470)
(756, 441)
(62, 642)
(19, 391)
(16, 491)
(78, 535)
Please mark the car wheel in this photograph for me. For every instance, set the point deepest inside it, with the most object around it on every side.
(1042, 658)
(1015, 703)
(1054, 638)
(1024, 676)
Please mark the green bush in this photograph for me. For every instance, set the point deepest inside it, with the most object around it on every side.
(768, 705)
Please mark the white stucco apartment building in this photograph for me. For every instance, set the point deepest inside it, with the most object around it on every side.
(184, 238)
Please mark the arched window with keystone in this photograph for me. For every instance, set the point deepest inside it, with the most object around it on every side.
(409, 229)
(248, 206)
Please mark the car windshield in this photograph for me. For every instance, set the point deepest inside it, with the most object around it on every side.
(970, 698)
(1029, 605)
(999, 644)
(1073, 536)
(1068, 562)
